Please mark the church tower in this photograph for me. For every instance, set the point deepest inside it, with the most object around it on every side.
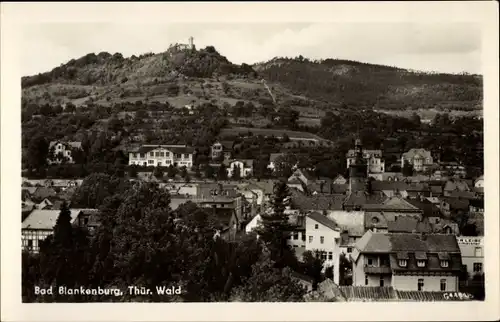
(358, 170)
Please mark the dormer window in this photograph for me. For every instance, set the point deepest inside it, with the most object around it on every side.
(444, 263)
(421, 263)
(403, 262)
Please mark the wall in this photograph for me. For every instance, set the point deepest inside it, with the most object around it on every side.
(431, 283)
(330, 244)
(468, 247)
(36, 235)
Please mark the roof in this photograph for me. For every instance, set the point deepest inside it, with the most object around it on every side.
(390, 242)
(226, 144)
(46, 219)
(44, 192)
(393, 204)
(428, 208)
(412, 153)
(381, 294)
(378, 153)
(456, 203)
(407, 224)
(171, 148)
(389, 185)
(316, 216)
(316, 202)
(361, 198)
(455, 184)
(266, 185)
(463, 194)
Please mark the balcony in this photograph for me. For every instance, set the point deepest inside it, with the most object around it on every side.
(377, 270)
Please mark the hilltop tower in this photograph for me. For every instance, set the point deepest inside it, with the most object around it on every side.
(358, 170)
(191, 43)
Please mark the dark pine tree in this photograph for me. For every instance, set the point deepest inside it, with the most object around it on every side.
(275, 228)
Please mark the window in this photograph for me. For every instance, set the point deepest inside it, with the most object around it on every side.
(186, 156)
(402, 262)
(151, 154)
(420, 284)
(303, 237)
(162, 154)
(150, 162)
(134, 155)
(323, 256)
(295, 246)
(330, 255)
(381, 281)
(375, 220)
(142, 155)
(366, 280)
(349, 250)
(30, 243)
(316, 226)
(322, 239)
(478, 267)
(444, 263)
(310, 239)
(370, 261)
(421, 263)
(167, 154)
(157, 154)
(295, 236)
(478, 252)
(442, 283)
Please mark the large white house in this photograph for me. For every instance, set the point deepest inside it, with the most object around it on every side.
(245, 167)
(323, 235)
(162, 156)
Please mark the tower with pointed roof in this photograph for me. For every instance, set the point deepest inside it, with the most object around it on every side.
(358, 170)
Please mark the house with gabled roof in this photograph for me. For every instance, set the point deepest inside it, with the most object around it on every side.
(61, 151)
(408, 262)
(420, 159)
(323, 238)
(39, 224)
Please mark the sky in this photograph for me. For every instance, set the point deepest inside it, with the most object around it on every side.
(451, 47)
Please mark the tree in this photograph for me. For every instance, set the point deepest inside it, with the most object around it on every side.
(236, 175)
(38, 150)
(209, 172)
(269, 284)
(222, 172)
(172, 171)
(275, 228)
(62, 228)
(158, 173)
(184, 173)
(407, 169)
(96, 188)
(312, 265)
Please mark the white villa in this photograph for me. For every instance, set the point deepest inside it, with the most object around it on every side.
(162, 156)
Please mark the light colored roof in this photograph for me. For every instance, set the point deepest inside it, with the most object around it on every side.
(417, 152)
(352, 221)
(316, 216)
(46, 219)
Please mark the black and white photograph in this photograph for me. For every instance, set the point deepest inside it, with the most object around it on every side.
(169, 161)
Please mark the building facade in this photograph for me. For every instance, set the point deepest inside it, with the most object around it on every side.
(62, 152)
(407, 261)
(420, 159)
(162, 156)
(472, 250)
(222, 149)
(323, 236)
(373, 159)
(245, 168)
